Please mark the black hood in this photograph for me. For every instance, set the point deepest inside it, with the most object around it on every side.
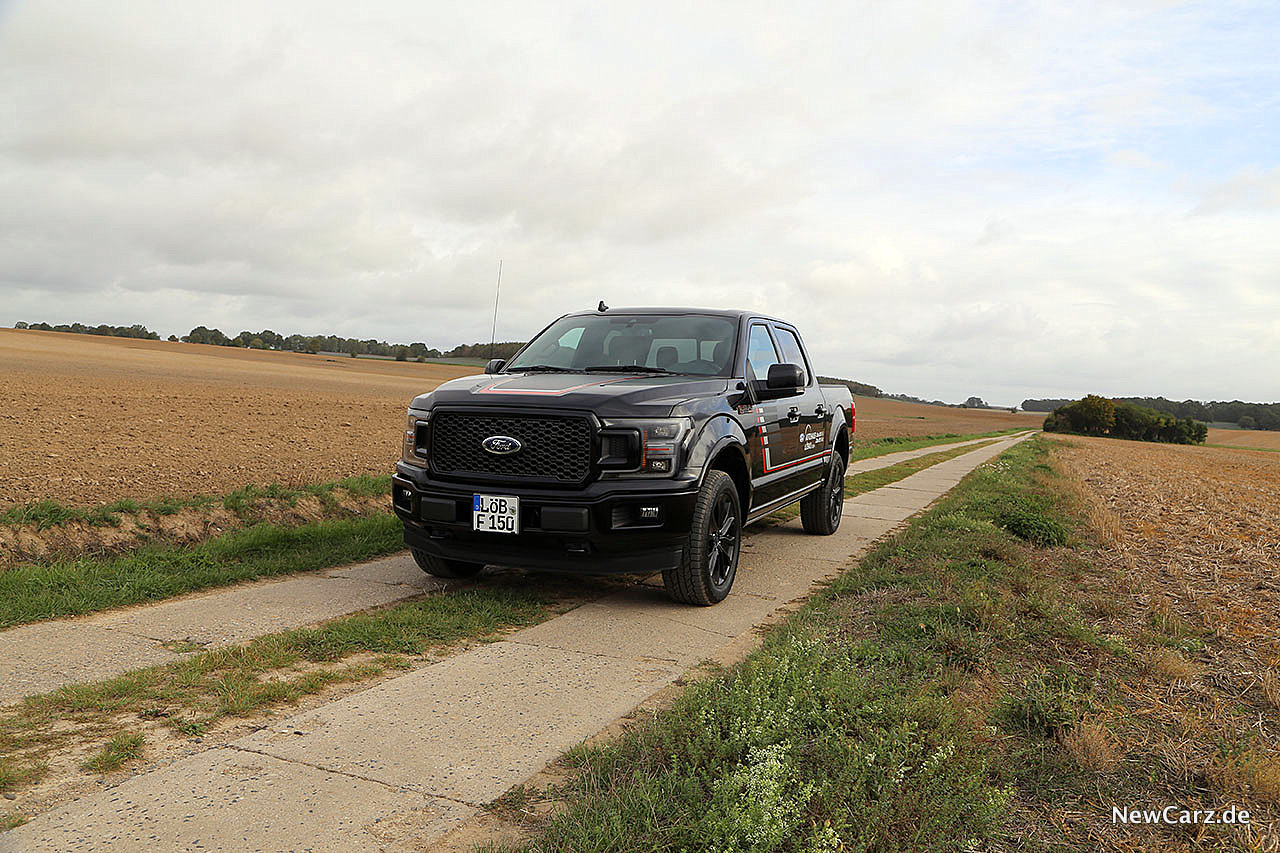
(606, 394)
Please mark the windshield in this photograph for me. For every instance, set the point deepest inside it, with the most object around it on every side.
(691, 344)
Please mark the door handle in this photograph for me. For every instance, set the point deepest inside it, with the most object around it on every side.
(821, 411)
(793, 414)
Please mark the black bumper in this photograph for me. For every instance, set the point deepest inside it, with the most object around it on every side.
(596, 530)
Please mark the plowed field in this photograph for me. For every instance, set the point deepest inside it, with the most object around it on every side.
(86, 420)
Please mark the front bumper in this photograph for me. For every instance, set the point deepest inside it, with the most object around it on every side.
(599, 529)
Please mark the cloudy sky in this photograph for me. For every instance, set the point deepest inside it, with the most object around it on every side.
(949, 198)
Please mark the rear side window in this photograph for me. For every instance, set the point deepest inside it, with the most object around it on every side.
(760, 353)
(791, 351)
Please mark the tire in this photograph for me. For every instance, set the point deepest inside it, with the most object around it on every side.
(710, 560)
(820, 510)
(441, 568)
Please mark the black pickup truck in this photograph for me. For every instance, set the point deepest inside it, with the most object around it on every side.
(625, 440)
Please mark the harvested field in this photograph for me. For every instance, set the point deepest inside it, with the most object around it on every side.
(878, 417)
(1192, 540)
(1263, 439)
(85, 420)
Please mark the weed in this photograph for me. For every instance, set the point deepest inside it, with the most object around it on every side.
(125, 746)
(1030, 520)
(1047, 704)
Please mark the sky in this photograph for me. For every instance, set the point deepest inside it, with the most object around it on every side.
(1006, 200)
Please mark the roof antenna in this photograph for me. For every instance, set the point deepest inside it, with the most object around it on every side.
(493, 333)
(602, 307)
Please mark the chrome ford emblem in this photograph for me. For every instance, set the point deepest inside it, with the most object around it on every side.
(501, 445)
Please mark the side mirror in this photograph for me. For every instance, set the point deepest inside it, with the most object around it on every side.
(783, 380)
(495, 365)
(784, 377)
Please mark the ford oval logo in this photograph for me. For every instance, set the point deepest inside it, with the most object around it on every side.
(501, 445)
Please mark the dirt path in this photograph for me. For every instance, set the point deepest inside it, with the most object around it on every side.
(401, 765)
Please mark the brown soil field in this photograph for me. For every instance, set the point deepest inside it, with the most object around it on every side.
(85, 420)
(1192, 540)
(876, 417)
(1263, 439)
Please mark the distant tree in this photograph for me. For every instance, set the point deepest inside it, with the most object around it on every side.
(314, 345)
(1248, 422)
(402, 353)
(975, 403)
(21, 325)
(173, 338)
(201, 335)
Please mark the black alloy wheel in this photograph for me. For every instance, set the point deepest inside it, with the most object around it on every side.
(710, 561)
(821, 509)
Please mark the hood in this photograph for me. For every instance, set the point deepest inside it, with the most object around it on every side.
(606, 394)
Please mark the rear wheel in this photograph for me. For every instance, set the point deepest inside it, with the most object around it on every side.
(710, 561)
(441, 568)
(820, 510)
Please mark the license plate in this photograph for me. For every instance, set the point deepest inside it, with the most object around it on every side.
(495, 513)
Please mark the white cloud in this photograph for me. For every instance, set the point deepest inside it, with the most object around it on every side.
(950, 198)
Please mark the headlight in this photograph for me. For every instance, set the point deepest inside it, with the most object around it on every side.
(661, 441)
(417, 437)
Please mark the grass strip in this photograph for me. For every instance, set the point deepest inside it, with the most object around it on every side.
(190, 695)
(33, 591)
(1244, 447)
(944, 694)
(867, 448)
(246, 503)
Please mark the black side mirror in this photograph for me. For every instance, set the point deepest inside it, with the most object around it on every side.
(784, 377)
(495, 365)
(783, 380)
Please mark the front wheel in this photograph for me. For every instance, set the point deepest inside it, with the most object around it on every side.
(710, 560)
(441, 568)
(820, 510)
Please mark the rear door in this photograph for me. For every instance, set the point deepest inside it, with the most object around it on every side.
(806, 421)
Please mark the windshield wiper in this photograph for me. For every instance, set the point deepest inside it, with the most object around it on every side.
(546, 368)
(626, 368)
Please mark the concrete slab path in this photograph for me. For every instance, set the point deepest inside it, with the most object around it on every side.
(402, 764)
(44, 656)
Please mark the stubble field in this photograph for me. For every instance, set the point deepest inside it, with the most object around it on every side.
(86, 420)
(1193, 536)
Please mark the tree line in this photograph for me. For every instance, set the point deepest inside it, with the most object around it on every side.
(269, 340)
(134, 331)
(1245, 415)
(1095, 415)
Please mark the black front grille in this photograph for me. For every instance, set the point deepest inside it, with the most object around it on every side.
(553, 448)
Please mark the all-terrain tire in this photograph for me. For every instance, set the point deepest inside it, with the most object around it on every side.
(441, 568)
(820, 510)
(710, 561)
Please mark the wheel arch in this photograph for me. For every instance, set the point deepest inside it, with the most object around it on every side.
(730, 457)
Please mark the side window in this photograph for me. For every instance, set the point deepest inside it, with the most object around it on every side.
(760, 353)
(791, 351)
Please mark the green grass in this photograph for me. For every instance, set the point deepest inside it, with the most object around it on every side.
(869, 448)
(851, 727)
(191, 695)
(125, 746)
(30, 592)
(11, 820)
(1243, 447)
(247, 503)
